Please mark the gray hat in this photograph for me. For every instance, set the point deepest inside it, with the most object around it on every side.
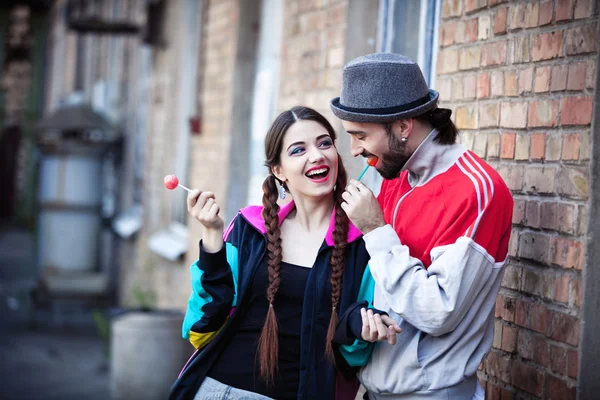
(383, 87)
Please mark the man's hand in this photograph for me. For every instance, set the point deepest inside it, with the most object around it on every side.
(377, 328)
(362, 207)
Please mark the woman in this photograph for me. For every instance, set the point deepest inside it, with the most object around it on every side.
(267, 293)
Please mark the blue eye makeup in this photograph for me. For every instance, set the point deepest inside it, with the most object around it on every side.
(296, 150)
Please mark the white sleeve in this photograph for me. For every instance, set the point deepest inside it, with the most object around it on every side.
(433, 300)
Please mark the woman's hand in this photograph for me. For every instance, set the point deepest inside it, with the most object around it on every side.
(377, 328)
(203, 207)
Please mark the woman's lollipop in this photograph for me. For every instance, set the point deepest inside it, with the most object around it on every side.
(371, 162)
(171, 182)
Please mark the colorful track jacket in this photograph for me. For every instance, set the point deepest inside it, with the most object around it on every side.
(220, 281)
(438, 266)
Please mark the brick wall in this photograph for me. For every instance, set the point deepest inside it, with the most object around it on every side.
(312, 54)
(210, 150)
(520, 77)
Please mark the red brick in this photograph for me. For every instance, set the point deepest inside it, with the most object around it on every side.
(521, 53)
(527, 378)
(583, 9)
(572, 364)
(546, 11)
(510, 83)
(493, 54)
(532, 214)
(471, 30)
(563, 328)
(548, 217)
(577, 76)
(483, 85)
(474, 5)
(573, 182)
(561, 289)
(543, 113)
(500, 21)
(513, 115)
(525, 80)
(567, 253)
(524, 15)
(538, 318)
(509, 339)
(532, 346)
(546, 46)
(576, 110)
(564, 10)
(498, 366)
(538, 146)
(506, 307)
(489, 115)
(577, 292)
(542, 79)
(448, 33)
(518, 216)
(559, 78)
(558, 389)
(581, 40)
(558, 360)
(571, 144)
(508, 145)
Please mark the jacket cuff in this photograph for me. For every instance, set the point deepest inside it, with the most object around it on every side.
(211, 262)
(381, 240)
(349, 327)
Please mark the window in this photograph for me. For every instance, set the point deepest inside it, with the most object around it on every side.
(408, 27)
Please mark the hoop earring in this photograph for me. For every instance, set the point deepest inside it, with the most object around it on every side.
(282, 192)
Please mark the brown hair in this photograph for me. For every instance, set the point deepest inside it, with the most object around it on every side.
(439, 118)
(268, 345)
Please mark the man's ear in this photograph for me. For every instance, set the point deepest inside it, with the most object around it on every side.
(278, 173)
(403, 128)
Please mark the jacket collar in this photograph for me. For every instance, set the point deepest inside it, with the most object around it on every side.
(253, 214)
(431, 159)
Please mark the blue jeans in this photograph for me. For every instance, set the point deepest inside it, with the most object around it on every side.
(212, 389)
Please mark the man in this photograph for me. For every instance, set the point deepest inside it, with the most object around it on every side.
(437, 233)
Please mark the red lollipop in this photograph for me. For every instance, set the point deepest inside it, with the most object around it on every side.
(372, 161)
(171, 182)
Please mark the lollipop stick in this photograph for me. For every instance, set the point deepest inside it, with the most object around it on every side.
(362, 173)
(183, 187)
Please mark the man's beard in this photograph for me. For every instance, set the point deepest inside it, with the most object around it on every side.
(394, 160)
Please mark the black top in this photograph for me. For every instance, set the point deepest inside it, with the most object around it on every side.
(237, 365)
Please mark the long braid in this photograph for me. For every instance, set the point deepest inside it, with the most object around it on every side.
(340, 238)
(268, 345)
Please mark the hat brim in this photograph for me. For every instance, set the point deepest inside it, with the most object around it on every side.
(352, 116)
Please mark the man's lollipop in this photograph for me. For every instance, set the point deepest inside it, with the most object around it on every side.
(371, 162)
(171, 182)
